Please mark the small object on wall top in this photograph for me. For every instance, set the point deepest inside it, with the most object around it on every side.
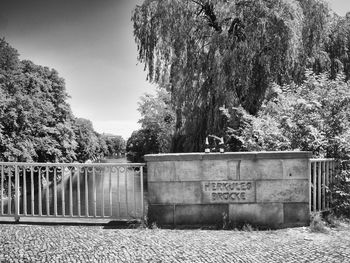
(221, 145)
(207, 149)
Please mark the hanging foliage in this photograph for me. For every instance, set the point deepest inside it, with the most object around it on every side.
(214, 53)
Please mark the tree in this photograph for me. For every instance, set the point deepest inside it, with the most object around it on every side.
(158, 117)
(114, 144)
(337, 46)
(316, 26)
(87, 139)
(9, 60)
(213, 53)
(36, 120)
(314, 116)
(141, 142)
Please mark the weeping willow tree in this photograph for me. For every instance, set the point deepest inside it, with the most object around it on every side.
(211, 54)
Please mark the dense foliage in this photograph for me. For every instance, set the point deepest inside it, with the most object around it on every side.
(36, 122)
(35, 118)
(314, 116)
(141, 142)
(158, 117)
(157, 126)
(114, 145)
(213, 53)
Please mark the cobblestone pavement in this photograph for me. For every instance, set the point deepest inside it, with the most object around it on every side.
(33, 243)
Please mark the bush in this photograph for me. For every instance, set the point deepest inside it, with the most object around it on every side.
(341, 190)
(314, 116)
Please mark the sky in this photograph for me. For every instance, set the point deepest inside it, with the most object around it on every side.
(91, 44)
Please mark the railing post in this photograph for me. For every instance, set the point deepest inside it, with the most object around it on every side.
(323, 185)
(126, 191)
(314, 174)
(331, 181)
(310, 185)
(327, 184)
(24, 190)
(16, 193)
(32, 189)
(2, 189)
(110, 191)
(86, 192)
(319, 187)
(47, 192)
(142, 208)
(94, 190)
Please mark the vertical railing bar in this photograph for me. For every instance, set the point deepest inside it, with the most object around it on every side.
(94, 189)
(63, 179)
(314, 172)
(71, 193)
(126, 191)
(102, 174)
(16, 192)
(78, 191)
(331, 180)
(323, 186)
(39, 186)
(2, 189)
(55, 191)
(133, 190)
(110, 191)
(24, 190)
(9, 192)
(32, 189)
(310, 184)
(319, 187)
(86, 193)
(118, 189)
(47, 192)
(141, 179)
(327, 184)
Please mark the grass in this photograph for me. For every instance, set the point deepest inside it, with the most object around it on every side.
(317, 225)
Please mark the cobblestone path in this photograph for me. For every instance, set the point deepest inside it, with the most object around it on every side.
(33, 243)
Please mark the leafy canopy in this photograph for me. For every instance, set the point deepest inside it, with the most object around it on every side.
(36, 122)
(213, 53)
(314, 116)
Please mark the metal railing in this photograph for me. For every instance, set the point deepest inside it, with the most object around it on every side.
(47, 192)
(321, 176)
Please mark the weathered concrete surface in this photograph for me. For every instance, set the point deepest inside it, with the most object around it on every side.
(296, 213)
(174, 193)
(32, 243)
(269, 169)
(282, 191)
(268, 189)
(162, 214)
(200, 214)
(268, 215)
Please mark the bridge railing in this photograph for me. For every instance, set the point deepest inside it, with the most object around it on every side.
(321, 177)
(73, 192)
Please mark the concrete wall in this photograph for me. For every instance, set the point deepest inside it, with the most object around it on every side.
(264, 189)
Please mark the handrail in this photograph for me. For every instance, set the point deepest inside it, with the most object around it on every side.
(321, 160)
(72, 164)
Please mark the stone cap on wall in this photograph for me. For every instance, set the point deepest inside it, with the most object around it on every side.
(228, 156)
